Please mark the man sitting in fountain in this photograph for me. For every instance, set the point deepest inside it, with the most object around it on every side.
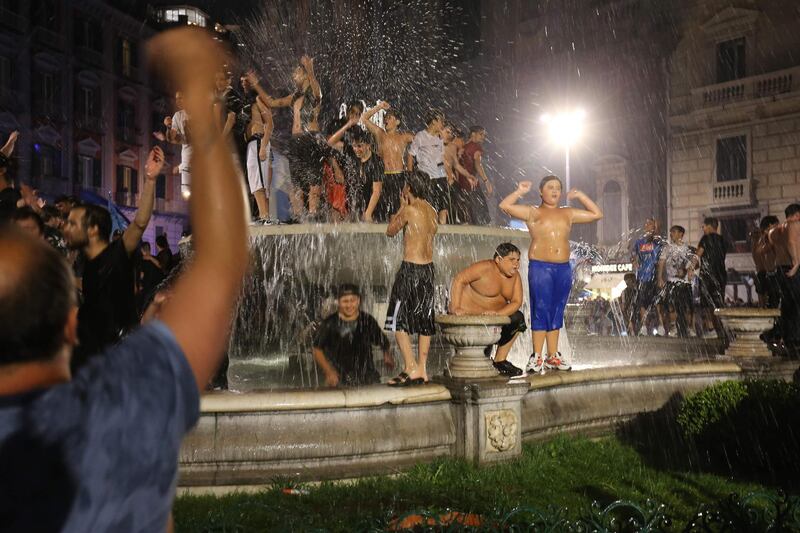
(343, 347)
(549, 273)
(493, 287)
(411, 301)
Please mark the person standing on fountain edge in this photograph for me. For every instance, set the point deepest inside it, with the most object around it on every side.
(711, 252)
(785, 239)
(343, 346)
(646, 251)
(428, 149)
(411, 302)
(472, 161)
(549, 273)
(493, 287)
(98, 450)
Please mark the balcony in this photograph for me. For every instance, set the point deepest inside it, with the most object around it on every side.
(734, 193)
(13, 21)
(93, 124)
(744, 89)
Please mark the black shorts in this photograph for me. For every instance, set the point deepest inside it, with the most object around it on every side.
(517, 325)
(646, 294)
(712, 292)
(411, 301)
(389, 202)
(306, 153)
(439, 194)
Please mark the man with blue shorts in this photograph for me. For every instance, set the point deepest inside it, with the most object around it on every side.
(549, 273)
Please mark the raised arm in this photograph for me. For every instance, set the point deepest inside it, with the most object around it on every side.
(8, 148)
(591, 212)
(509, 207)
(133, 233)
(286, 101)
(399, 219)
(339, 135)
(308, 65)
(200, 309)
(373, 128)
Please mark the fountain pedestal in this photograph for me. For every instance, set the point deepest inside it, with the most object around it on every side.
(746, 324)
(486, 407)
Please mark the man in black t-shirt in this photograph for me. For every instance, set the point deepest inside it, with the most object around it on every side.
(711, 252)
(364, 191)
(108, 310)
(343, 346)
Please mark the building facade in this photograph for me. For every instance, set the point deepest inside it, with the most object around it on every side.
(734, 119)
(72, 81)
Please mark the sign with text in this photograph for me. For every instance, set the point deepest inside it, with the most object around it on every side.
(606, 269)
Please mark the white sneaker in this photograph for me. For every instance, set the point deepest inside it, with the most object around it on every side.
(535, 364)
(556, 362)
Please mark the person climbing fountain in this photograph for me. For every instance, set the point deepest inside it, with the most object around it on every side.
(493, 287)
(411, 302)
(549, 273)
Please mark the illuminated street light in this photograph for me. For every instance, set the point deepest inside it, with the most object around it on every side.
(565, 129)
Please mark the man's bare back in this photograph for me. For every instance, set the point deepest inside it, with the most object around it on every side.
(779, 238)
(421, 226)
(486, 290)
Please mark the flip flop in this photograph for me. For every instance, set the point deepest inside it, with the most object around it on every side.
(415, 381)
(401, 380)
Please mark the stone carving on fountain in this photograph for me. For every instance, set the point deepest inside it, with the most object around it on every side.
(746, 324)
(469, 335)
(501, 430)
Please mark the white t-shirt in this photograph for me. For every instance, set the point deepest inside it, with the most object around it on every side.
(677, 260)
(429, 151)
(179, 126)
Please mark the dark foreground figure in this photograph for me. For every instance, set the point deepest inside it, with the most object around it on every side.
(98, 451)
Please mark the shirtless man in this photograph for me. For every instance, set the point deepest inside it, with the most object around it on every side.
(493, 287)
(411, 302)
(392, 145)
(257, 133)
(764, 258)
(308, 148)
(785, 240)
(549, 273)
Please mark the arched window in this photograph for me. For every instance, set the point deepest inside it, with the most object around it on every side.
(612, 212)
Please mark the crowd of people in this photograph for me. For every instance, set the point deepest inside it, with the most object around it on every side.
(353, 171)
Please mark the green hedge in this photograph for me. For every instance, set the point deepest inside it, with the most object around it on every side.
(751, 425)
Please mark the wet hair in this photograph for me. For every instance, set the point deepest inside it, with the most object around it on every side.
(417, 182)
(335, 125)
(94, 215)
(711, 221)
(161, 241)
(355, 104)
(476, 129)
(546, 179)
(432, 115)
(26, 213)
(35, 306)
(679, 229)
(394, 113)
(347, 289)
(767, 221)
(792, 209)
(503, 250)
(357, 135)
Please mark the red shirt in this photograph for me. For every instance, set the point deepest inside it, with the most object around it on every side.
(468, 162)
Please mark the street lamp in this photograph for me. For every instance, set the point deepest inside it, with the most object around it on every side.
(565, 129)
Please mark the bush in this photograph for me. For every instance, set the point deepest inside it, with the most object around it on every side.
(750, 427)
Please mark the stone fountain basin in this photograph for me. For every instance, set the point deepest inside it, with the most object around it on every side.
(746, 324)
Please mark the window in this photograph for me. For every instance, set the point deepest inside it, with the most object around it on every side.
(88, 33)
(736, 229)
(732, 158)
(730, 60)
(126, 57)
(88, 172)
(160, 231)
(126, 116)
(87, 103)
(46, 161)
(161, 186)
(127, 185)
(45, 88)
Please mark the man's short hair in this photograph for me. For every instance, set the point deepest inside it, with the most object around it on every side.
(711, 221)
(476, 129)
(335, 125)
(503, 250)
(792, 209)
(547, 179)
(356, 104)
(767, 221)
(161, 241)
(432, 115)
(348, 289)
(679, 229)
(418, 182)
(35, 305)
(94, 215)
(357, 135)
(26, 213)
(394, 113)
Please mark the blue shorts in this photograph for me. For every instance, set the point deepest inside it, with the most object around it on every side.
(549, 285)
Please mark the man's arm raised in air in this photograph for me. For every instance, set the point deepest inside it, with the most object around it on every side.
(373, 128)
(133, 233)
(308, 65)
(339, 135)
(286, 101)
(509, 204)
(584, 216)
(200, 309)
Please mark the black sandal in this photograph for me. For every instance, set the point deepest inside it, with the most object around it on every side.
(401, 380)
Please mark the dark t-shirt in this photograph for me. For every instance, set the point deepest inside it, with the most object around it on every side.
(165, 259)
(366, 172)
(8, 203)
(468, 162)
(348, 346)
(100, 452)
(712, 265)
(109, 305)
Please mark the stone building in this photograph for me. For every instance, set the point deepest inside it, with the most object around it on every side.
(72, 81)
(734, 118)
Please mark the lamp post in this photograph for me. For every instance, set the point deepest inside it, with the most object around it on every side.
(565, 128)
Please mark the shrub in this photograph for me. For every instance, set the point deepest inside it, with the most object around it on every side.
(710, 405)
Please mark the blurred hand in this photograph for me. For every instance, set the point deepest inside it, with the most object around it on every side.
(574, 193)
(251, 76)
(155, 162)
(384, 105)
(792, 271)
(524, 187)
(332, 379)
(307, 63)
(489, 188)
(388, 360)
(160, 136)
(13, 136)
